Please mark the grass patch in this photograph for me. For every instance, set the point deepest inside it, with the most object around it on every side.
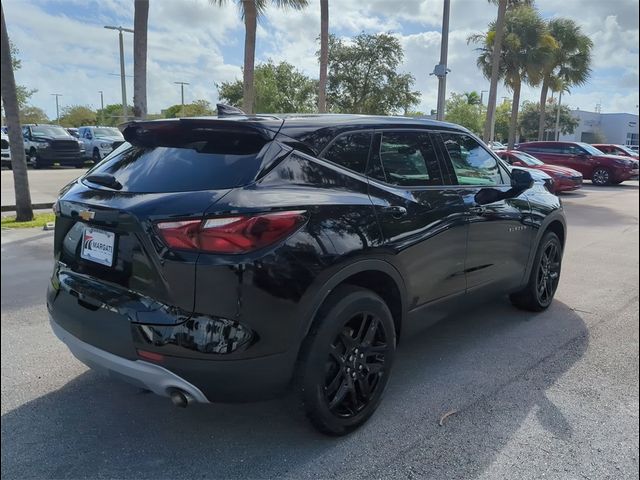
(39, 220)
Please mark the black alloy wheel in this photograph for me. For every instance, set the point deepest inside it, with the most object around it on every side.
(346, 360)
(355, 365)
(548, 275)
(544, 277)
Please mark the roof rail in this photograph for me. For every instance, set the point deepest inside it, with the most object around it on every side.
(227, 110)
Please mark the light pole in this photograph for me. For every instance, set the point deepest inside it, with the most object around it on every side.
(57, 107)
(441, 69)
(122, 74)
(101, 105)
(182, 84)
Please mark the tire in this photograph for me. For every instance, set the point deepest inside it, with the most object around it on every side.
(601, 177)
(33, 159)
(346, 360)
(544, 277)
(96, 155)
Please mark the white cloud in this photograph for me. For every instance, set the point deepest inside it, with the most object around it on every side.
(64, 48)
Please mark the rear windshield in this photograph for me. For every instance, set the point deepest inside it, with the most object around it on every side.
(217, 162)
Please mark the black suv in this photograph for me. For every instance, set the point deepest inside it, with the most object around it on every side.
(233, 258)
(46, 145)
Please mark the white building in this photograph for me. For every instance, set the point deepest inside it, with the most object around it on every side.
(594, 127)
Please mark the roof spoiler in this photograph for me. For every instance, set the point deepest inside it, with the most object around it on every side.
(227, 110)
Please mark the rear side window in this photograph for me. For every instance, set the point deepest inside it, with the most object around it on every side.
(213, 161)
(409, 159)
(472, 163)
(350, 150)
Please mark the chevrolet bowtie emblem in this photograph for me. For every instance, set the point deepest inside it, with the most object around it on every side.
(87, 215)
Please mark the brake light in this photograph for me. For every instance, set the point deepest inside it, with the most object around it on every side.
(237, 234)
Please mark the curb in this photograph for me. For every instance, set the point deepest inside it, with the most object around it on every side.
(35, 206)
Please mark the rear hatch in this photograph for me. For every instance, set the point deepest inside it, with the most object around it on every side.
(107, 242)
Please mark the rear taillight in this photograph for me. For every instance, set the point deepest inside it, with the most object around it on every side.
(237, 234)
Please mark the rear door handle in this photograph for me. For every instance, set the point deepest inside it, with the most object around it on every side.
(396, 211)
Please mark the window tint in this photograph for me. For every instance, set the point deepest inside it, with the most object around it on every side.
(409, 159)
(350, 151)
(472, 163)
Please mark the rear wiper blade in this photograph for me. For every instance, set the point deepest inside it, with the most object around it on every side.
(104, 179)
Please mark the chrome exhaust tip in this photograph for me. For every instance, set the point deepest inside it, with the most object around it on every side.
(180, 399)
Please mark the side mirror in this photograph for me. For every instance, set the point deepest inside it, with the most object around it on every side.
(89, 136)
(521, 179)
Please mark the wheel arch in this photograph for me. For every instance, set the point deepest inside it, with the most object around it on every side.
(376, 275)
(556, 223)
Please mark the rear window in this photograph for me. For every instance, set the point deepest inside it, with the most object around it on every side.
(209, 161)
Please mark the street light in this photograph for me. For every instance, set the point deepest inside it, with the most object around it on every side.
(441, 69)
(182, 84)
(122, 75)
(57, 107)
(101, 105)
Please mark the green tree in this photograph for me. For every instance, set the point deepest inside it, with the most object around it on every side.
(24, 210)
(570, 64)
(363, 76)
(77, 116)
(494, 76)
(279, 88)
(30, 114)
(198, 108)
(111, 115)
(460, 110)
(528, 121)
(526, 49)
(473, 98)
(252, 11)
(23, 94)
(503, 119)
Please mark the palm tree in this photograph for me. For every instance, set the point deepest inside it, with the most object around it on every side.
(473, 98)
(570, 64)
(324, 55)
(24, 211)
(526, 49)
(252, 11)
(140, 18)
(495, 62)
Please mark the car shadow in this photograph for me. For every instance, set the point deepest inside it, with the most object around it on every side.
(491, 365)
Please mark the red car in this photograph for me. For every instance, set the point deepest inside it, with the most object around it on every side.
(611, 149)
(600, 168)
(564, 179)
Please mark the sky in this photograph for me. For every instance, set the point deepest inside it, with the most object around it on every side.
(65, 49)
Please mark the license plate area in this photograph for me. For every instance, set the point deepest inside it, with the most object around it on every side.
(98, 246)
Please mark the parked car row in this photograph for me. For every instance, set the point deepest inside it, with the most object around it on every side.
(571, 162)
(46, 145)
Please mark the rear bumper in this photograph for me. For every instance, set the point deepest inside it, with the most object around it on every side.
(136, 372)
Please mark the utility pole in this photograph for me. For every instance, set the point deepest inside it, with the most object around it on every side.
(441, 69)
(57, 107)
(182, 84)
(101, 106)
(122, 73)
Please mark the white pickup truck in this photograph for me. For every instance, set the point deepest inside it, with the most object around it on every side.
(99, 141)
(6, 153)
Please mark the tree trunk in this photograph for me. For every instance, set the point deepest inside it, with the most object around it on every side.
(140, 19)
(250, 18)
(495, 72)
(543, 110)
(324, 55)
(556, 131)
(24, 212)
(515, 106)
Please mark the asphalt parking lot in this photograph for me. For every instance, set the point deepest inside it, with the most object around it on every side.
(551, 395)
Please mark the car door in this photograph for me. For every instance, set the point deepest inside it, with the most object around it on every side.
(577, 158)
(422, 219)
(500, 234)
